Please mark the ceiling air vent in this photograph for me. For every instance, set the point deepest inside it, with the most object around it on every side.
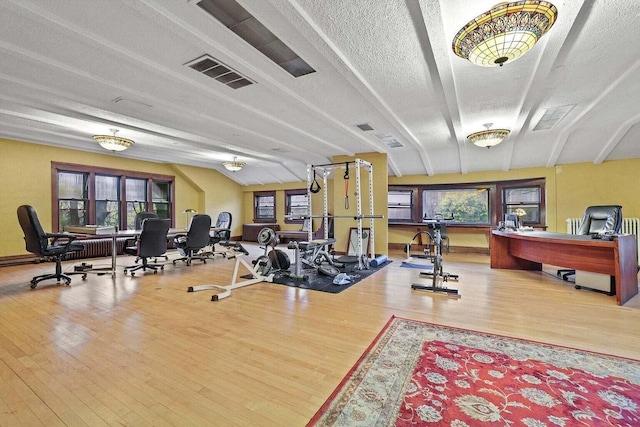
(245, 25)
(365, 127)
(215, 69)
(389, 140)
(552, 116)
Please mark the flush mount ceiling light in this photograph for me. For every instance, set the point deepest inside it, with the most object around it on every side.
(233, 166)
(113, 142)
(504, 33)
(489, 137)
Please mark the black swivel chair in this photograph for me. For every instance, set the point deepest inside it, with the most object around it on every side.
(139, 219)
(151, 243)
(598, 221)
(54, 245)
(197, 237)
(221, 236)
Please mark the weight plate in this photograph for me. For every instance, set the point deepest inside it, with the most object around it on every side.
(263, 265)
(266, 236)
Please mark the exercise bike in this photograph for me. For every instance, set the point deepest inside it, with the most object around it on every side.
(438, 275)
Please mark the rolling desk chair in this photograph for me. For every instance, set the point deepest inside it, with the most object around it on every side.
(597, 220)
(140, 217)
(54, 245)
(151, 243)
(197, 237)
(221, 236)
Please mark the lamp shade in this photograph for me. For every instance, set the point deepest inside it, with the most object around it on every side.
(504, 33)
(234, 166)
(489, 137)
(113, 142)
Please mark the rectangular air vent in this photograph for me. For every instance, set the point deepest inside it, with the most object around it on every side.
(365, 127)
(389, 140)
(552, 116)
(245, 25)
(215, 69)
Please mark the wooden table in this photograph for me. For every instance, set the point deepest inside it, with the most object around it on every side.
(529, 250)
(114, 250)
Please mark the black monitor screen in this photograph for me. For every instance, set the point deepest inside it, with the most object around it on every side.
(511, 221)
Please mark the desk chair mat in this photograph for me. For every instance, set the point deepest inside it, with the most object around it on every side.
(323, 283)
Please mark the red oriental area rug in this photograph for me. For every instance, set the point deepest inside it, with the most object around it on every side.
(422, 374)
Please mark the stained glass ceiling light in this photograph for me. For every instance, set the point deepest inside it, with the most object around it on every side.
(504, 33)
(489, 137)
(113, 142)
(234, 166)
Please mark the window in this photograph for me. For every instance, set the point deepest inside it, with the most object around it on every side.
(400, 205)
(161, 197)
(296, 205)
(264, 206)
(524, 202)
(84, 195)
(107, 200)
(467, 206)
(73, 199)
(472, 204)
(136, 191)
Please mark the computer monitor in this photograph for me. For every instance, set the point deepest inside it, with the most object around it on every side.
(511, 221)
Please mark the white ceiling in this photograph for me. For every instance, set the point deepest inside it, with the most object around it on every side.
(388, 63)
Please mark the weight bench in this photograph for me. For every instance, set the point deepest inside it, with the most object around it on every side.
(315, 251)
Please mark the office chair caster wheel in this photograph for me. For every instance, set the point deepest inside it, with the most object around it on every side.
(84, 277)
(133, 274)
(578, 287)
(33, 285)
(162, 268)
(155, 272)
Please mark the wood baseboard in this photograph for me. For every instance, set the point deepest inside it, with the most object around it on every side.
(6, 261)
(452, 249)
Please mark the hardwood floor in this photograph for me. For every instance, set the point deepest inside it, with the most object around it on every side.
(143, 351)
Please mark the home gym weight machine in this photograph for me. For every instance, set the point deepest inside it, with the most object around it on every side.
(260, 271)
(314, 187)
(437, 275)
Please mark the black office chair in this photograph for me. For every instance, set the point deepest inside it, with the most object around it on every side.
(151, 243)
(54, 245)
(597, 221)
(221, 236)
(139, 219)
(197, 237)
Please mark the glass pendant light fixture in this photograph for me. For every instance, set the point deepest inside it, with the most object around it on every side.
(113, 142)
(234, 166)
(504, 33)
(488, 137)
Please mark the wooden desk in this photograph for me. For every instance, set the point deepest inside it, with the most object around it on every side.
(529, 250)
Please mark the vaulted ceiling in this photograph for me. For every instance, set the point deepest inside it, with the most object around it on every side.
(71, 69)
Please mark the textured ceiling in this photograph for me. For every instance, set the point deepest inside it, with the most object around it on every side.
(386, 63)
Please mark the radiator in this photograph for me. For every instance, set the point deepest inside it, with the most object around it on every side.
(96, 248)
(629, 226)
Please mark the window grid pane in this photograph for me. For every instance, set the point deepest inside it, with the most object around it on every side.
(468, 206)
(265, 207)
(297, 205)
(399, 205)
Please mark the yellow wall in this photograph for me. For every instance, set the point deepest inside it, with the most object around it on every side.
(380, 176)
(26, 179)
(584, 184)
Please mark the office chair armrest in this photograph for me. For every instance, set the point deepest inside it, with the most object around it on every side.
(69, 238)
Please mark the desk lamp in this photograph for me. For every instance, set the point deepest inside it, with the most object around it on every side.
(187, 212)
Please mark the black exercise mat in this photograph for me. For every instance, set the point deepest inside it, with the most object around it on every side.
(320, 282)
